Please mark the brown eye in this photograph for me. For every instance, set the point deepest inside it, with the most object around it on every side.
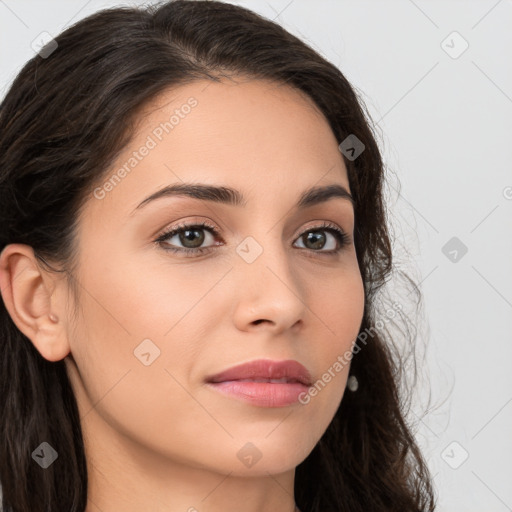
(188, 238)
(316, 239)
(193, 236)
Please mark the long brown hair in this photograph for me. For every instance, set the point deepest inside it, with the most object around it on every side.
(66, 116)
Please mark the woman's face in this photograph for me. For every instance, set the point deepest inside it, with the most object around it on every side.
(155, 323)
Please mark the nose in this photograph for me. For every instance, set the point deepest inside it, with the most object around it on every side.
(269, 294)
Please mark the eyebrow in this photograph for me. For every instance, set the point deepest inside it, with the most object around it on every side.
(233, 197)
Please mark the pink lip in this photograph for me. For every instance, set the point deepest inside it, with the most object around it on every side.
(242, 382)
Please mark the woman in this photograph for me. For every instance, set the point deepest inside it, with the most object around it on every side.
(242, 368)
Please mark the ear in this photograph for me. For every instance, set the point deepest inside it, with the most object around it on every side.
(31, 296)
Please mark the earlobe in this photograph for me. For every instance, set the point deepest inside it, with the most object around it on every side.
(28, 294)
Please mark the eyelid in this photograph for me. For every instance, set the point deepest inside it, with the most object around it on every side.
(342, 237)
(167, 232)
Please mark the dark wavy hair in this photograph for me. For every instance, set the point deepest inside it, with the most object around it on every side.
(65, 118)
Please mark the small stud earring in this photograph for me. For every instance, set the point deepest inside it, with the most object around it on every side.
(352, 383)
(53, 318)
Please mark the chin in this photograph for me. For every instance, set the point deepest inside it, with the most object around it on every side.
(260, 457)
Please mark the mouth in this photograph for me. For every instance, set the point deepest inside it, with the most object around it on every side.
(264, 383)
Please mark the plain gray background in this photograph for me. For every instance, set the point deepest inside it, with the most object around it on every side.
(444, 112)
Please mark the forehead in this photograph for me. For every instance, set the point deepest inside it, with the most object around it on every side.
(264, 138)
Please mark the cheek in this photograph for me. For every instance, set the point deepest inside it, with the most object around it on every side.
(153, 295)
(132, 317)
(340, 307)
(143, 401)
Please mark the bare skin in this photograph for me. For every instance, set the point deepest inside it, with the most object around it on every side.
(156, 433)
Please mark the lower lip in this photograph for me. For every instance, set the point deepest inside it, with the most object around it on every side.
(262, 394)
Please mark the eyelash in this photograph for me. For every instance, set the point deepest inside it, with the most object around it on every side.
(342, 238)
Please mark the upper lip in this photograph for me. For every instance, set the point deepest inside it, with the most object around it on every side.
(292, 370)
